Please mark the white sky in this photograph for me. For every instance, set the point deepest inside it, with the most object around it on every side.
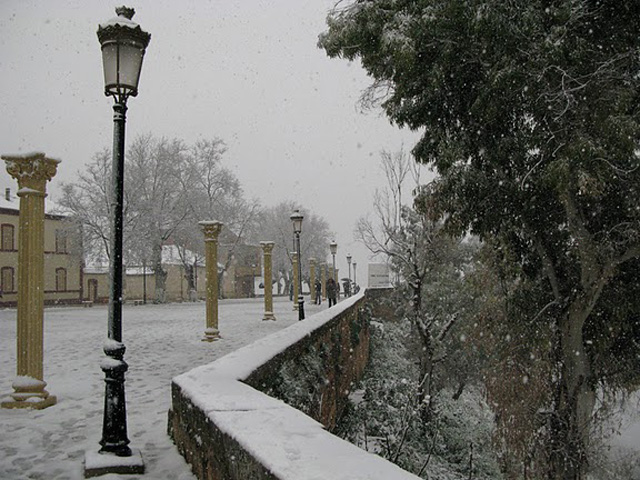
(246, 71)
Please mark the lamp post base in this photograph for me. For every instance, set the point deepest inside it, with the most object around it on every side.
(211, 335)
(96, 464)
(301, 308)
(268, 316)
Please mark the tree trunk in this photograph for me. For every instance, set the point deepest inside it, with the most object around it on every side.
(575, 400)
(221, 294)
(426, 401)
(425, 394)
(160, 275)
(190, 277)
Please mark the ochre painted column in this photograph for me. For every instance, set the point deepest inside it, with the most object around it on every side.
(323, 279)
(312, 279)
(211, 231)
(267, 248)
(295, 280)
(32, 173)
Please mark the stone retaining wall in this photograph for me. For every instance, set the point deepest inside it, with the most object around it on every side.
(228, 424)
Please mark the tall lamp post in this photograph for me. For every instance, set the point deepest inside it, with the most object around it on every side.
(123, 46)
(349, 263)
(296, 220)
(333, 247)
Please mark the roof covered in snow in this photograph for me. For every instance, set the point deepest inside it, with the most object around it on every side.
(10, 201)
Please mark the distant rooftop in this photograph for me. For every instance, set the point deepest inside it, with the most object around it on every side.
(10, 201)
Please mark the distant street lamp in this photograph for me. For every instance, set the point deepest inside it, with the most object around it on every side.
(333, 247)
(296, 220)
(123, 46)
(349, 263)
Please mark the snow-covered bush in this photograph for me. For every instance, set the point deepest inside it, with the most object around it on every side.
(299, 382)
(384, 417)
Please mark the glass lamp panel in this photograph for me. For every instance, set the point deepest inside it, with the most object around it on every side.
(296, 219)
(130, 65)
(110, 65)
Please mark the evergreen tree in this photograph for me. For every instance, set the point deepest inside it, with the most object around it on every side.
(529, 113)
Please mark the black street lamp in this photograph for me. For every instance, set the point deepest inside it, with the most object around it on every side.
(123, 45)
(349, 263)
(296, 220)
(333, 247)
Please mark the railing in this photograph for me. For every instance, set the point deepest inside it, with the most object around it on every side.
(228, 429)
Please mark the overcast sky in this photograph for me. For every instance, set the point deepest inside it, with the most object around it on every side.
(248, 72)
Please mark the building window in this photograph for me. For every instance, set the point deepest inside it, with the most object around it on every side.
(61, 279)
(6, 278)
(61, 241)
(7, 237)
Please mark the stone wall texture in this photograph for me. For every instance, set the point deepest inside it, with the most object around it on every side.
(234, 425)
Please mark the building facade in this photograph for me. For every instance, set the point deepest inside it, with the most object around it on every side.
(63, 266)
(67, 281)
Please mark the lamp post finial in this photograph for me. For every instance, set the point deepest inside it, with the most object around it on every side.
(125, 12)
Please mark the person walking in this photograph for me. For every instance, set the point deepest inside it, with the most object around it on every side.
(318, 288)
(332, 291)
(346, 288)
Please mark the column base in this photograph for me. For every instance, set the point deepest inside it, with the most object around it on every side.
(28, 392)
(35, 402)
(211, 335)
(268, 316)
(96, 464)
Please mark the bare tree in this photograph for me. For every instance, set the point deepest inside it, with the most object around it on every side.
(274, 224)
(169, 188)
(88, 201)
(154, 166)
(422, 255)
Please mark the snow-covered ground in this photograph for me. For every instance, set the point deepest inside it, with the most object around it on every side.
(162, 341)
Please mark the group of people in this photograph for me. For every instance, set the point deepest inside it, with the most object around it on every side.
(333, 291)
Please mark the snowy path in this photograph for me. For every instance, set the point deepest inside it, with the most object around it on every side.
(162, 341)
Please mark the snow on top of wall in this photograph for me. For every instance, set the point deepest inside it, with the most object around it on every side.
(238, 365)
(96, 269)
(292, 446)
(287, 442)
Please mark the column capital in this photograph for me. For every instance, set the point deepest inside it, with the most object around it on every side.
(211, 230)
(267, 247)
(32, 171)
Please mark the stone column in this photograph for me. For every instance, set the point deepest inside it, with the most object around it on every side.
(211, 231)
(32, 173)
(267, 248)
(312, 279)
(323, 279)
(295, 280)
(355, 278)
